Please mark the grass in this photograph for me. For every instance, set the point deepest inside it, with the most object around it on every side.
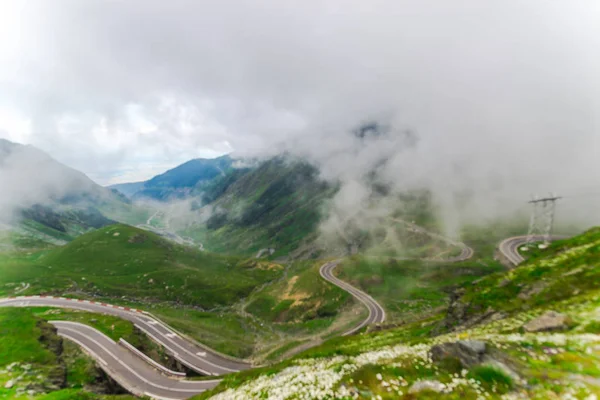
(279, 352)
(19, 333)
(34, 356)
(565, 268)
(410, 289)
(121, 261)
(303, 296)
(492, 378)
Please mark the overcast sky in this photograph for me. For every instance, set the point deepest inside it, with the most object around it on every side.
(122, 90)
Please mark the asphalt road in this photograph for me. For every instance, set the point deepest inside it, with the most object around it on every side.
(200, 359)
(509, 248)
(376, 312)
(128, 370)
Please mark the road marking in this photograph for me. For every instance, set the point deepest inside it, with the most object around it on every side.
(173, 352)
(192, 354)
(127, 367)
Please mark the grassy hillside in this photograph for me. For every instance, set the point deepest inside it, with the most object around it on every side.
(276, 205)
(301, 297)
(41, 226)
(529, 333)
(567, 268)
(51, 202)
(410, 289)
(126, 262)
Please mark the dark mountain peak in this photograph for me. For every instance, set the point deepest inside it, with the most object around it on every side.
(178, 182)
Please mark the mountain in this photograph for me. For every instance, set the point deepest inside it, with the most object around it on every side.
(44, 201)
(179, 182)
(276, 204)
(148, 267)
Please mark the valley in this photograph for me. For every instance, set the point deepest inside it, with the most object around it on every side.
(227, 275)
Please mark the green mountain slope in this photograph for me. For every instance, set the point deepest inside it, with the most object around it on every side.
(126, 262)
(45, 202)
(528, 333)
(275, 205)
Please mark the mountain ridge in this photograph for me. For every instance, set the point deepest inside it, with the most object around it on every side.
(49, 201)
(178, 182)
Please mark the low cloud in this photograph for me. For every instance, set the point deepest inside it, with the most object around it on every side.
(502, 97)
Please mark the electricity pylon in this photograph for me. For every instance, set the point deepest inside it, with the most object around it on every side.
(542, 218)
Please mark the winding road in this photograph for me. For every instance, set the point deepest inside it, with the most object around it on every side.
(130, 371)
(509, 248)
(137, 374)
(200, 359)
(376, 312)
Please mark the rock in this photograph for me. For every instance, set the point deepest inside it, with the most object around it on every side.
(9, 384)
(549, 321)
(468, 352)
(529, 292)
(434, 386)
(472, 346)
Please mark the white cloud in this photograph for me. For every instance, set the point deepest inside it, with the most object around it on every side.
(504, 95)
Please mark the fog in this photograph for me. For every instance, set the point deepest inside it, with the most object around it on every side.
(500, 97)
(29, 176)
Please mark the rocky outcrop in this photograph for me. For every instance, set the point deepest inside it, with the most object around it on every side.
(549, 321)
(468, 352)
